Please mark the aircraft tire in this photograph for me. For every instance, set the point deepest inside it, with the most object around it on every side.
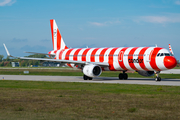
(85, 77)
(158, 79)
(125, 76)
(121, 76)
(90, 78)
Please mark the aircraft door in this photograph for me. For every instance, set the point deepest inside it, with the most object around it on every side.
(148, 56)
(120, 56)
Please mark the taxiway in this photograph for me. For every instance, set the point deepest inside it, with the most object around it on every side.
(142, 81)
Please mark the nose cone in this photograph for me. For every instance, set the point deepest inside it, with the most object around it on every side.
(170, 62)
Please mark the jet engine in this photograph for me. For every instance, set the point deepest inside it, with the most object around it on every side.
(92, 70)
(146, 73)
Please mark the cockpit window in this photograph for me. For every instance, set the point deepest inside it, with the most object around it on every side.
(171, 54)
(158, 54)
(164, 54)
(167, 54)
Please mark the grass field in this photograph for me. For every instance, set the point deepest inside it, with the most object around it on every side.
(60, 100)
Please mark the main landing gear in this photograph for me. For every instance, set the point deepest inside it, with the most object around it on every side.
(123, 76)
(157, 76)
(87, 78)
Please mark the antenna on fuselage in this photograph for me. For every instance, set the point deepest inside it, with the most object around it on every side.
(156, 45)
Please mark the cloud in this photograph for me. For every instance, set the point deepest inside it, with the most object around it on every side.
(169, 18)
(105, 23)
(18, 40)
(97, 24)
(155, 19)
(45, 40)
(177, 2)
(36, 48)
(7, 2)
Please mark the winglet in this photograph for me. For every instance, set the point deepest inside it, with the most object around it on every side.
(170, 49)
(6, 50)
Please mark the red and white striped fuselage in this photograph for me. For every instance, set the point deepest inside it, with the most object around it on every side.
(121, 58)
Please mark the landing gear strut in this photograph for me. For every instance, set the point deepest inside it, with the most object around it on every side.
(87, 78)
(123, 76)
(157, 76)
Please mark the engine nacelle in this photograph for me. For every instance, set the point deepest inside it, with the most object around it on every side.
(92, 70)
(146, 73)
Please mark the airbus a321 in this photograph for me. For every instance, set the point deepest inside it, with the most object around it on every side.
(147, 61)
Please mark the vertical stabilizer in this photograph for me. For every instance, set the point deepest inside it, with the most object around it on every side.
(170, 49)
(57, 39)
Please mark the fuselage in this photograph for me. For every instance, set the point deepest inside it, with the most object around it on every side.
(121, 58)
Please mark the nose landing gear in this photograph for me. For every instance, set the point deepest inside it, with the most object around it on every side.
(157, 76)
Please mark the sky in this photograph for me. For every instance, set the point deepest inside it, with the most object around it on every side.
(25, 24)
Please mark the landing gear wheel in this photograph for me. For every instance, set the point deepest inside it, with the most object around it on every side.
(121, 76)
(157, 76)
(87, 78)
(158, 79)
(125, 76)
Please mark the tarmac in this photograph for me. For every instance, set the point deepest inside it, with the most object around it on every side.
(111, 80)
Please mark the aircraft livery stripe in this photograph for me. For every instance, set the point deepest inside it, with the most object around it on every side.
(111, 60)
(153, 58)
(84, 54)
(76, 54)
(141, 56)
(51, 22)
(68, 64)
(60, 54)
(121, 63)
(130, 58)
(101, 55)
(116, 59)
(92, 57)
(67, 54)
(58, 39)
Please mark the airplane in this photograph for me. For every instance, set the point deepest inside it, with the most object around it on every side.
(147, 61)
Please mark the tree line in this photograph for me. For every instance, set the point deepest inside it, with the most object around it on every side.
(6, 62)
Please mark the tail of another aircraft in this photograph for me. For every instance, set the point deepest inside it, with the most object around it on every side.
(170, 49)
(57, 39)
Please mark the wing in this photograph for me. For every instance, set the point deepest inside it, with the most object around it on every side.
(104, 64)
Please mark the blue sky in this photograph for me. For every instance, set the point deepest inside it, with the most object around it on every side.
(25, 25)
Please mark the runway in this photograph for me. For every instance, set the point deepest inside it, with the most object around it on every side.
(171, 71)
(114, 80)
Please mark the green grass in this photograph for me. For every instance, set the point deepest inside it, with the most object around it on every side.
(61, 100)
